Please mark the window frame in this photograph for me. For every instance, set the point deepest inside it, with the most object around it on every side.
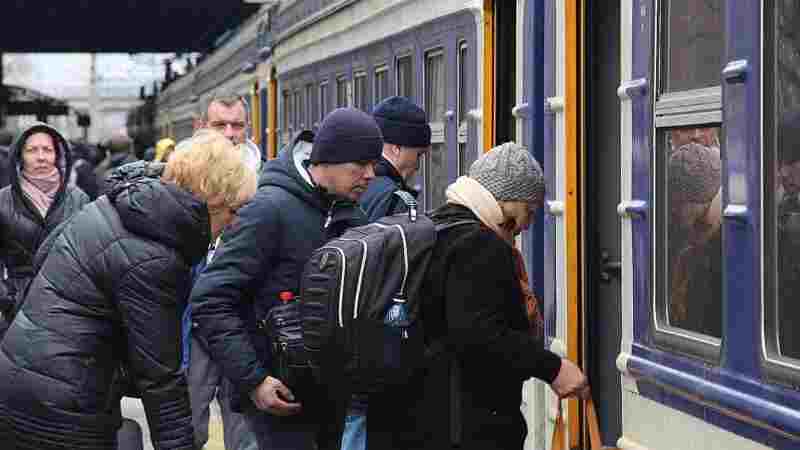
(342, 80)
(462, 110)
(698, 108)
(778, 368)
(382, 69)
(358, 102)
(438, 128)
(402, 56)
(323, 99)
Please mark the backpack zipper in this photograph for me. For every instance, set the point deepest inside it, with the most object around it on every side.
(341, 286)
(401, 293)
(360, 274)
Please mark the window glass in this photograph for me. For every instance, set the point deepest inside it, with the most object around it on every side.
(787, 197)
(462, 83)
(405, 77)
(323, 101)
(691, 167)
(341, 92)
(287, 111)
(360, 88)
(298, 111)
(381, 84)
(310, 106)
(695, 44)
(435, 176)
(435, 86)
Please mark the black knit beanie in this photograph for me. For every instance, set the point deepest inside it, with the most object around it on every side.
(347, 135)
(402, 122)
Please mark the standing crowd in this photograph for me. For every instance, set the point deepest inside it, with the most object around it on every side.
(160, 283)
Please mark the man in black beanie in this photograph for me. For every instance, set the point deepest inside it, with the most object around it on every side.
(303, 200)
(406, 138)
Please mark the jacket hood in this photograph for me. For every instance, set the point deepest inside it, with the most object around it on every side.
(289, 171)
(63, 156)
(160, 211)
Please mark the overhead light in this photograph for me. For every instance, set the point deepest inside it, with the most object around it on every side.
(264, 52)
(248, 67)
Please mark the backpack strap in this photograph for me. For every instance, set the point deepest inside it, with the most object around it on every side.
(409, 201)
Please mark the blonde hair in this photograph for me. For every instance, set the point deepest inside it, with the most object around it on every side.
(210, 167)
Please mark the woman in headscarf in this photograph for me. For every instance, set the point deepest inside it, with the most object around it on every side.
(478, 306)
(109, 293)
(37, 200)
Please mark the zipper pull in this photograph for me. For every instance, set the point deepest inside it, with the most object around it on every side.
(329, 219)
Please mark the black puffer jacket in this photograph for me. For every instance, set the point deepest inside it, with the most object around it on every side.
(22, 227)
(111, 291)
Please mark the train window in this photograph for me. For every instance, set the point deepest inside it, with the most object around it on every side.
(782, 218)
(310, 106)
(381, 83)
(405, 77)
(691, 262)
(688, 178)
(323, 100)
(341, 92)
(287, 114)
(463, 162)
(298, 111)
(360, 91)
(435, 97)
(693, 44)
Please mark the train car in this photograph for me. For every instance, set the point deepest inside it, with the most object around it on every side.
(668, 130)
(665, 254)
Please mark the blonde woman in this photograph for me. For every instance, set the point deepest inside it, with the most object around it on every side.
(110, 292)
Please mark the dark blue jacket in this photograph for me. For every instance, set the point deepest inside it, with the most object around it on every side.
(264, 252)
(378, 201)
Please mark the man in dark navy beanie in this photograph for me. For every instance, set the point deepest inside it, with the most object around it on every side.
(406, 138)
(304, 199)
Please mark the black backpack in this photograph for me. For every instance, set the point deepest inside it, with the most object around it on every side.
(353, 285)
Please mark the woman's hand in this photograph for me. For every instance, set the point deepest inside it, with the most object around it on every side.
(570, 381)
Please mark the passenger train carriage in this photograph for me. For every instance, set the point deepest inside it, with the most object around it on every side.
(666, 256)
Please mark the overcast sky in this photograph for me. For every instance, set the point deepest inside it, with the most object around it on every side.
(55, 73)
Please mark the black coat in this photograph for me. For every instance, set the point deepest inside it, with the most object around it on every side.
(263, 253)
(22, 227)
(474, 305)
(111, 291)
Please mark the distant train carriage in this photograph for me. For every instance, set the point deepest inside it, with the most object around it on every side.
(665, 255)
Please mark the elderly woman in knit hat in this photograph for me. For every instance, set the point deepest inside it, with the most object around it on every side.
(476, 305)
(38, 199)
(694, 179)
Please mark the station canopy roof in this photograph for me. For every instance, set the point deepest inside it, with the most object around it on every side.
(21, 101)
(117, 26)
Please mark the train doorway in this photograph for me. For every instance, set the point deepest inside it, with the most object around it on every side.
(602, 291)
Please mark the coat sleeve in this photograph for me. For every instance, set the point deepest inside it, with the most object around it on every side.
(227, 286)
(477, 312)
(151, 301)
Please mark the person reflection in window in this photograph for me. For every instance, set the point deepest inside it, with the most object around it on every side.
(695, 172)
(788, 223)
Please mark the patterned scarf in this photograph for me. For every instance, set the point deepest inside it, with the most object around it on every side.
(41, 189)
(472, 195)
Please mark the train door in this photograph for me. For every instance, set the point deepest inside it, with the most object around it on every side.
(601, 225)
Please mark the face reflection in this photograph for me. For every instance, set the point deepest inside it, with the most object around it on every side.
(39, 154)
(228, 120)
(350, 180)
